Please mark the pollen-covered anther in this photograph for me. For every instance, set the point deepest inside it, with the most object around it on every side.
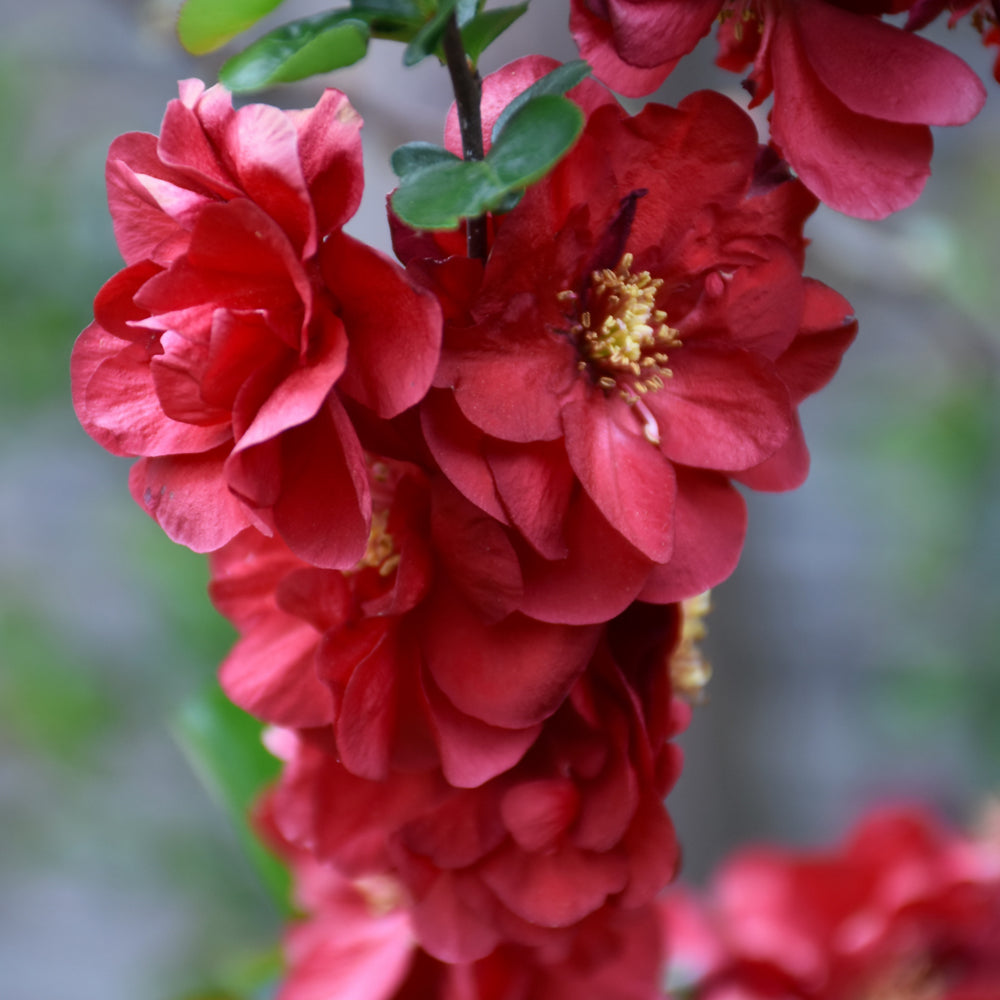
(380, 552)
(622, 335)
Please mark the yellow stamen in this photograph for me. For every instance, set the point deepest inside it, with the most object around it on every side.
(622, 336)
(380, 552)
(690, 672)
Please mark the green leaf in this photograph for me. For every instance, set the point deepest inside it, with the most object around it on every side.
(418, 156)
(425, 42)
(223, 745)
(561, 79)
(534, 139)
(484, 29)
(439, 197)
(298, 50)
(404, 9)
(205, 25)
(396, 20)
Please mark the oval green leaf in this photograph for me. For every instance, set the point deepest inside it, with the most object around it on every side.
(298, 50)
(439, 197)
(535, 138)
(418, 156)
(205, 25)
(426, 41)
(560, 80)
(223, 745)
(484, 29)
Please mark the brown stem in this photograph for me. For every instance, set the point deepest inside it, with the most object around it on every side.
(468, 88)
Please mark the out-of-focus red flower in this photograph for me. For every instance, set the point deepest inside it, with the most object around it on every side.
(853, 96)
(574, 826)
(905, 910)
(225, 351)
(641, 335)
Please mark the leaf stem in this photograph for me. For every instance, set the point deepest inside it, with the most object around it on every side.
(468, 88)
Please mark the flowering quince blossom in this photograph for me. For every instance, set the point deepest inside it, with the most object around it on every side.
(575, 826)
(905, 910)
(640, 336)
(224, 353)
(853, 96)
(388, 652)
(356, 942)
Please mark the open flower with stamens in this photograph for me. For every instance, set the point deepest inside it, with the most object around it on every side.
(853, 95)
(641, 335)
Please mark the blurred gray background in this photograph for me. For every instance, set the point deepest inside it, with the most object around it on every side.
(855, 649)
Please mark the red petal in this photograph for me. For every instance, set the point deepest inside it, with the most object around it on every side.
(187, 495)
(452, 921)
(864, 166)
(513, 674)
(626, 476)
(828, 328)
(535, 484)
(648, 34)
(602, 575)
(457, 447)
(724, 408)
(554, 889)
(393, 326)
(367, 714)
(271, 673)
(262, 149)
(595, 39)
(710, 524)
(538, 813)
(324, 509)
(883, 72)
(473, 752)
(330, 151)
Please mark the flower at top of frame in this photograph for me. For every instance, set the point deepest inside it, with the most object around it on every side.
(641, 335)
(246, 322)
(853, 95)
(905, 909)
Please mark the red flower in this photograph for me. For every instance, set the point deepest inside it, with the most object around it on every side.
(853, 96)
(408, 673)
(906, 909)
(576, 825)
(641, 335)
(222, 353)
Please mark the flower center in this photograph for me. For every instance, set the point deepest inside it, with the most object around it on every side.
(380, 552)
(621, 336)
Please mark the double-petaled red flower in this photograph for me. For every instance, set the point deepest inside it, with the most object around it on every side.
(406, 671)
(853, 96)
(245, 320)
(906, 910)
(576, 825)
(640, 337)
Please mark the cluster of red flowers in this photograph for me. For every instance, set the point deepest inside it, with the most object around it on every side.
(905, 910)
(455, 506)
(853, 94)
